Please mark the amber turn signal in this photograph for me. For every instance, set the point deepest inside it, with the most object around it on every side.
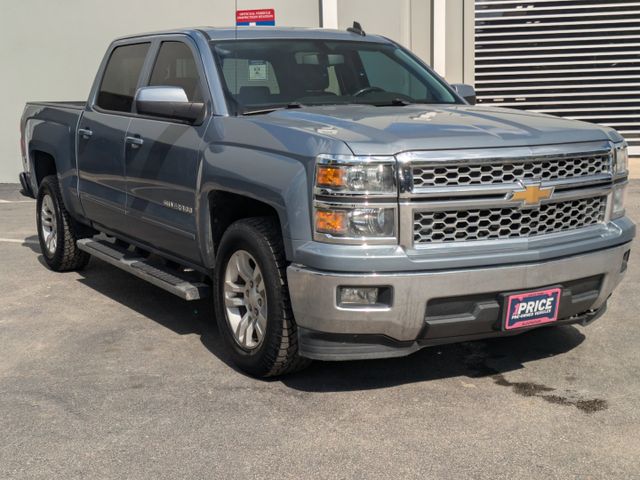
(329, 176)
(333, 222)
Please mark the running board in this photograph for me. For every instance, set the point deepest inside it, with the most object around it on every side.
(170, 280)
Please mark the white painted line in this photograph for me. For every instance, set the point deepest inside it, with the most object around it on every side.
(17, 240)
(16, 201)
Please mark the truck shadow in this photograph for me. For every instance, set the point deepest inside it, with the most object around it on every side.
(33, 244)
(483, 358)
(470, 359)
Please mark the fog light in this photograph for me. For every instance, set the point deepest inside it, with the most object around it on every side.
(360, 297)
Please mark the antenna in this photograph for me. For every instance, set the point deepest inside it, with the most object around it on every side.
(357, 29)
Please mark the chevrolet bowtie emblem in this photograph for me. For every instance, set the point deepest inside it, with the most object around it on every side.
(531, 194)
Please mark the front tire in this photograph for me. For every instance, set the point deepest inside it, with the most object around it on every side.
(251, 299)
(56, 230)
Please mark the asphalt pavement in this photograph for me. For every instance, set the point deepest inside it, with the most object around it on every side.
(103, 376)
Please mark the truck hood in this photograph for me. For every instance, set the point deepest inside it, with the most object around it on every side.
(369, 130)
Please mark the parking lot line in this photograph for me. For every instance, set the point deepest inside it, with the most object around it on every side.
(17, 240)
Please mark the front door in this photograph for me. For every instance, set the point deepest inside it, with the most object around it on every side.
(162, 159)
(101, 134)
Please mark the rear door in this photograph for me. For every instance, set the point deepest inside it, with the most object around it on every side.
(162, 158)
(101, 133)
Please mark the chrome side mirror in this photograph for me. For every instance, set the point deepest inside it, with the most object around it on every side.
(465, 91)
(168, 102)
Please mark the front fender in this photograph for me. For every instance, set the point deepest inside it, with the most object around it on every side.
(274, 179)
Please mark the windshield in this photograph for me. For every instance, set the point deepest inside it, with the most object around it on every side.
(265, 74)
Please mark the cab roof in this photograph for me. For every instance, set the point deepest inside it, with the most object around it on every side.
(252, 33)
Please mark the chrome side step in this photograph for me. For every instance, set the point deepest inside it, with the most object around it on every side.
(178, 283)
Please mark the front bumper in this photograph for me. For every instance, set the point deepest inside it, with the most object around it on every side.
(443, 306)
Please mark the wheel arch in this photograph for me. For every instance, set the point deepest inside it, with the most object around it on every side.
(223, 207)
(44, 163)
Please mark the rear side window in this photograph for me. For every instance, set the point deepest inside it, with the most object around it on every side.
(121, 77)
(176, 67)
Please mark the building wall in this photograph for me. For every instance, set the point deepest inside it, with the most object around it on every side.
(564, 60)
(405, 21)
(50, 50)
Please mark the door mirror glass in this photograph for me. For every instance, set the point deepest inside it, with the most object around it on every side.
(168, 102)
(465, 91)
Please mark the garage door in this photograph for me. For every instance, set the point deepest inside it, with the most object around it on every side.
(575, 59)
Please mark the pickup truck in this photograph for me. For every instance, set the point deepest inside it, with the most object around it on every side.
(334, 196)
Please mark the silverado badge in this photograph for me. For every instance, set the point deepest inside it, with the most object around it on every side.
(531, 194)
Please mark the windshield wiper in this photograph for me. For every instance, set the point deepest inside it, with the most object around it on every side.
(396, 102)
(288, 106)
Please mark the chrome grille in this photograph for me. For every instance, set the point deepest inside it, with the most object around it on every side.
(506, 222)
(491, 173)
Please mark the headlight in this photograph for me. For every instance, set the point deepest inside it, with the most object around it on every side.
(355, 223)
(617, 203)
(620, 160)
(345, 175)
(349, 206)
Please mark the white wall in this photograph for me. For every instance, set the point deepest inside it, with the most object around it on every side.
(50, 49)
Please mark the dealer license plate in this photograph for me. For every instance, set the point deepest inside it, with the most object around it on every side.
(531, 308)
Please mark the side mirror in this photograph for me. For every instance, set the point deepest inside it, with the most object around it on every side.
(465, 91)
(168, 102)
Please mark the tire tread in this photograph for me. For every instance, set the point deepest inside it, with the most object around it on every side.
(71, 258)
(281, 355)
(286, 360)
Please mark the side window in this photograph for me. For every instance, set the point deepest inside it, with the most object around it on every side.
(120, 79)
(381, 72)
(176, 67)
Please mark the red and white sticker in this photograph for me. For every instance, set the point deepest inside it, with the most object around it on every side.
(259, 17)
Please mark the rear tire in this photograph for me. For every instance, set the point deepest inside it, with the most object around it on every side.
(251, 299)
(57, 231)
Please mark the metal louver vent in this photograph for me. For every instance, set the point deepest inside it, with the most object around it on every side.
(574, 59)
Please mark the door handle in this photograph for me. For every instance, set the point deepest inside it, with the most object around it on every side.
(135, 142)
(85, 132)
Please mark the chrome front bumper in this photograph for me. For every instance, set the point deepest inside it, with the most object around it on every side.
(314, 294)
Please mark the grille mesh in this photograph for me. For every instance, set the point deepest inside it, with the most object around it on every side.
(494, 173)
(506, 222)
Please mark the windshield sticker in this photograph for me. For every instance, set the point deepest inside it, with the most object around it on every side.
(257, 70)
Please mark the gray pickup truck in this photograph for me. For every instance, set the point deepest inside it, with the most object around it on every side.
(334, 196)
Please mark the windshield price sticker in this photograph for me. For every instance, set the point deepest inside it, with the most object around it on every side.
(257, 70)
